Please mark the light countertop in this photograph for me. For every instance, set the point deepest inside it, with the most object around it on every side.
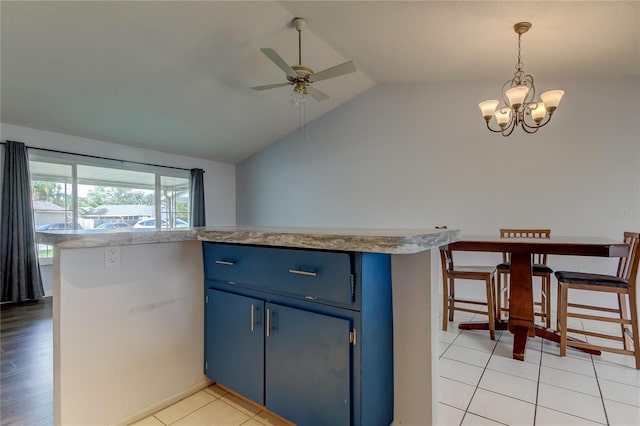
(375, 240)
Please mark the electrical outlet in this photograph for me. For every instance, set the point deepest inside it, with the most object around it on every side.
(111, 256)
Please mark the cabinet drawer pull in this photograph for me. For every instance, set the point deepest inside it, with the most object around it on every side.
(307, 273)
(253, 308)
(268, 322)
(310, 297)
(225, 262)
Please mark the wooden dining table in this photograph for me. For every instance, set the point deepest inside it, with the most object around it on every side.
(521, 304)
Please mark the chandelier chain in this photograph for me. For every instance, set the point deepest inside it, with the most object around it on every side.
(519, 65)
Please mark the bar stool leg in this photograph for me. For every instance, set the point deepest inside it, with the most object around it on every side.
(562, 316)
(445, 304)
(546, 289)
(490, 307)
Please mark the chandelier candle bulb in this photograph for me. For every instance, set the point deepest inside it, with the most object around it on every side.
(503, 116)
(552, 99)
(538, 112)
(516, 96)
(488, 108)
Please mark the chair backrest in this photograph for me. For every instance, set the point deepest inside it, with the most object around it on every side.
(526, 233)
(628, 266)
(446, 259)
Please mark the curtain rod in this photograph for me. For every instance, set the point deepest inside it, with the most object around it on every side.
(102, 158)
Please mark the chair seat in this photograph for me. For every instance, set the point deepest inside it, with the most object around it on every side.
(591, 279)
(537, 268)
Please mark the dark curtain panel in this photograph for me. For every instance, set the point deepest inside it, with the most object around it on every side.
(20, 278)
(196, 194)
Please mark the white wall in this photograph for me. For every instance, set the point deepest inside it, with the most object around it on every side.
(418, 155)
(127, 338)
(219, 178)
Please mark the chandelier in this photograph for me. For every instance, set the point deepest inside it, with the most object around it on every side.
(518, 95)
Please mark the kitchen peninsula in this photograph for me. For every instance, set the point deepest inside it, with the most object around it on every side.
(128, 337)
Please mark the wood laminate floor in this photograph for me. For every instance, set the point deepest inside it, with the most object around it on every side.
(26, 360)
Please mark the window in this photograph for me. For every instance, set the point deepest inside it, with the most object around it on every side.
(175, 201)
(76, 192)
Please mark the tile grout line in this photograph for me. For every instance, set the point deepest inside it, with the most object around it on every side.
(577, 391)
(154, 416)
(191, 412)
(478, 384)
(604, 407)
(535, 409)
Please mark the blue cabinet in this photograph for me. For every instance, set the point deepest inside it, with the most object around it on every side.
(306, 333)
(234, 318)
(308, 366)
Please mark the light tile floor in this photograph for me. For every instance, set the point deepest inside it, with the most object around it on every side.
(213, 406)
(480, 384)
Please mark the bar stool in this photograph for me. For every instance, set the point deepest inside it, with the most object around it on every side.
(624, 285)
(539, 269)
(478, 273)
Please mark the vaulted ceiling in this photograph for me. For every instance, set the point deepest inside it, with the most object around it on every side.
(176, 76)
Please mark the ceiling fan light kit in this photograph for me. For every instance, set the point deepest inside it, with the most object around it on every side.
(300, 76)
(520, 108)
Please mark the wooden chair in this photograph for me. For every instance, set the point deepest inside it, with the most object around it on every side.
(450, 303)
(623, 284)
(539, 269)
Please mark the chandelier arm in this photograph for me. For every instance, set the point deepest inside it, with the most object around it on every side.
(529, 129)
(511, 128)
(508, 128)
(543, 123)
(511, 124)
(528, 81)
(493, 130)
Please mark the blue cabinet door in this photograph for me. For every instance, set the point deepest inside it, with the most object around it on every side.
(234, 343)
(308, 359)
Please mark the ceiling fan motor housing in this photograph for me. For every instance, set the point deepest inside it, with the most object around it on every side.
(303, 73)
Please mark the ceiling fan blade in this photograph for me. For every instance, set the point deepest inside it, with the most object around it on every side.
(316, 94)
(270, 86)
(271, 54)
(346, 68)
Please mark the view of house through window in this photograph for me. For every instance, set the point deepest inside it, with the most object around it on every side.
(89, 196)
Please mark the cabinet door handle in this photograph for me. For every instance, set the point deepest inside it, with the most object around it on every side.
(299, 272)
(225, 262)
(268, 322)
(253, 308)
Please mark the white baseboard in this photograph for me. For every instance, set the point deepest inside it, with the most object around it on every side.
(164, 403)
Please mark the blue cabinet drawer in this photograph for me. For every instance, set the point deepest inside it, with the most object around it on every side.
(235, 264)
(321, 276)
(314, 275)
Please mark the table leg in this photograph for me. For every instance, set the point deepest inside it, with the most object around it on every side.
(520, 336)
(554, 336)
(521, 316)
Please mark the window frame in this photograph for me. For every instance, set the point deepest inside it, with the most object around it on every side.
(75, 160)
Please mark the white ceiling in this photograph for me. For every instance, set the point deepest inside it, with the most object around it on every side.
(175, 76)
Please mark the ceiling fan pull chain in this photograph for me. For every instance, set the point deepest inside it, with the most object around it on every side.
(299, 47)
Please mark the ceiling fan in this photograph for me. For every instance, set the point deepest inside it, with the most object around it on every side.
(301, 77)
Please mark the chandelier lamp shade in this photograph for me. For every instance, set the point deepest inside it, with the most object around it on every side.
(519, 107)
